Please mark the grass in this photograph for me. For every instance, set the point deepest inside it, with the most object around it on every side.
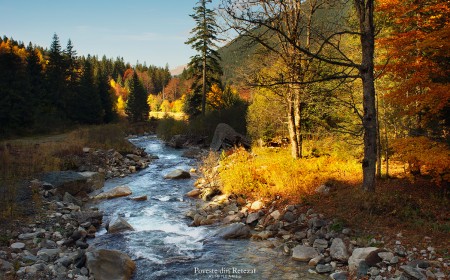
(21, 160)
(414, 208)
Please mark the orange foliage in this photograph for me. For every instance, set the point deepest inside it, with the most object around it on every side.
(418, 45)
(425, 157)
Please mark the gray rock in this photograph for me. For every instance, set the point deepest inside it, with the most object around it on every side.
(338, 250)
(233, 231)
(304, 253)
(110, 265)
(275, 214)
(68, 198)
(118, 191)
(139, 198)
(74, 182)
(320, 244)
(386, 256)
(363, 269)
(317, 223)
(373, 271)
(339, 275)
(412, 273)
(119, 224)
(48, 255)
(358, 255)
(177, 174)
(324, 268)
(18, 246)
(252, 217)
(226, 137)
(28, 236)
(289, 217)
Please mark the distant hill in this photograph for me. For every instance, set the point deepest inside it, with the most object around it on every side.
(178, 70)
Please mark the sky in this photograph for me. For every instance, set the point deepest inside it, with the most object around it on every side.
(150, 31)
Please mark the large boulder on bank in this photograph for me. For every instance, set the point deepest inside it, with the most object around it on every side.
(115, 192)
(338, 250)
(233, 231)
(226, 137)
(178, 174)
(73, 182)
(359, 255)
(110, 265)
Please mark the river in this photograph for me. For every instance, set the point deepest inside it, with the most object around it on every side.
(163, 244)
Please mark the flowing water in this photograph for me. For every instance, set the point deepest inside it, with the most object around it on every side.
(163, 244)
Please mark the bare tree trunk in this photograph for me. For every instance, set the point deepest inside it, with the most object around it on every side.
(366, 69)
(298, 122)
(204, 86)
(378, 139)
(292, 128)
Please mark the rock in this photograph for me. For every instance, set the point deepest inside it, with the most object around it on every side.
(110, 265)
(233, 231)
(289, 217)
(314, 261)
(119, 224)
(323, 189)
(48, 255)
(339, 275)
(86, 150)
(412, 273)
(256, 205)
(276, 215)
(118, 191)
(93, 217)
(358, 255)
(252, 217)
(193, 152)
(74, 182)
(177, 174)
(68, 198)
(304, 253)
(226, 137)
(386, 256)
(317, 223)
(419, 264)
(139, 198)
(374, 271)
(178, 141)
(362, 270)
(209, 193)
(18, 246)
(338, 250)
(324, 268)
(194, 193)
(320, 244)
(372, 258)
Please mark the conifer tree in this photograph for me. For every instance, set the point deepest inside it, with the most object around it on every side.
(137, 107)
(55, 77)
(205, 65)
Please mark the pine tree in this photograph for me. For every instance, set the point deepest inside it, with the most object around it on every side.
(205, 65)
(137, 107)
(86, 104)
(55, 77)
(106, 99)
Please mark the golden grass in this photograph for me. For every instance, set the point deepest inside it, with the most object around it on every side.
(267, 173)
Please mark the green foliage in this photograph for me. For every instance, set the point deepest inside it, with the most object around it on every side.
(137, 107)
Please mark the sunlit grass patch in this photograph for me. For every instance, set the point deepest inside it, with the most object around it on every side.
(267, 173)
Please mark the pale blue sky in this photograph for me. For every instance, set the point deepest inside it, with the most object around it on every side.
(153, 31)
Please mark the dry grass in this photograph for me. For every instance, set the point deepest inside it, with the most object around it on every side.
(21, 160)
(269, 173)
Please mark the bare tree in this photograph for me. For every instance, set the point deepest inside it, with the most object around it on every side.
(310, 49)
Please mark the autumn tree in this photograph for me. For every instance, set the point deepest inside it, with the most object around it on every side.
(278, 18)
(137, 107)
(205, 65)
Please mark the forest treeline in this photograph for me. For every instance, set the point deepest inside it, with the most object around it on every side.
(43, 90)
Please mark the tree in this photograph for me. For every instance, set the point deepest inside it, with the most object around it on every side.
(137, 107)
(266, 19)
(205, 65)
(86, 105)
(55, 77)
(106, 98)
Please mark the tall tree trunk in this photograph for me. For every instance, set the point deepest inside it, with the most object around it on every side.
(292, 127)
(378, 139)
(366, 70)
(204, 85)
(298, 122)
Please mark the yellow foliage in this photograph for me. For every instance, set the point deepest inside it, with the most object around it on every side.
(121, 106)
(424, 156)
(267, 173)
(112, 83)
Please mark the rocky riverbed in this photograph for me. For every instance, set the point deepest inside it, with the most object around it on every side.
(311, 238)
(55, 244)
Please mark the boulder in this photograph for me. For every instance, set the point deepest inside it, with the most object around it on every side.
(226, 137)
(109, 265)
(338, 250)
(178, 141)
(358, 255)
(252, 217)
(115, 192)
(119, 224)
(256, 205)
(194, 193)
(233, 231)
(177, 174)
(139, 198)
(304, 253)
(74, 182)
